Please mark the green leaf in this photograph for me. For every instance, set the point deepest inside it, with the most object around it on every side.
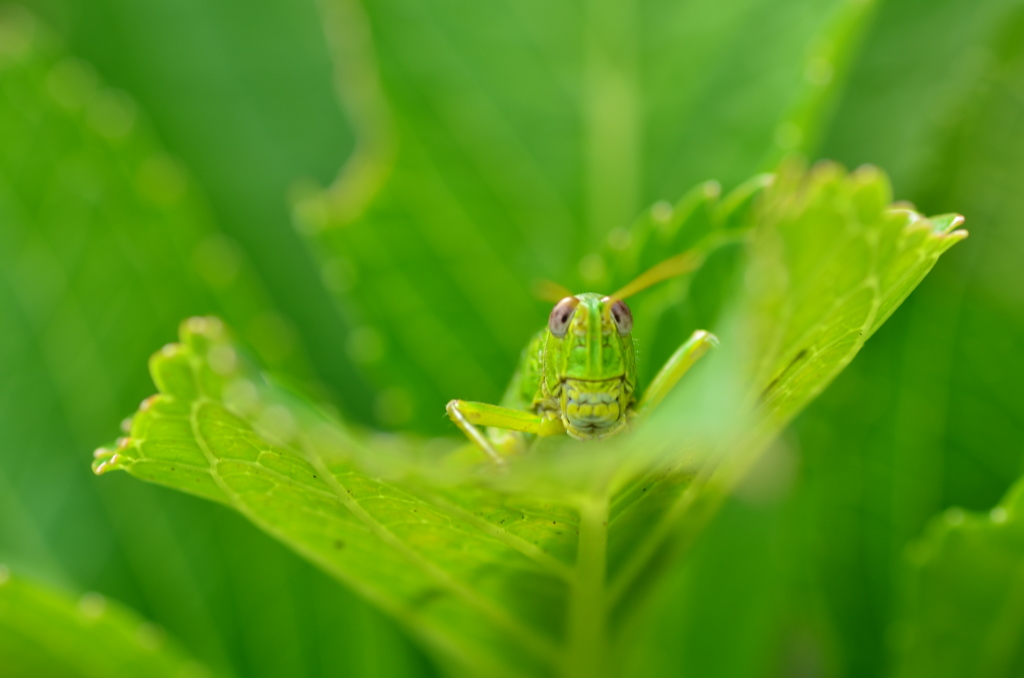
(928, 416)
(822, 292)
(901, 118)
(106, 242)
(481, 170)
(250, 108)
(532, 572)
(728, 593)
(46, 633)
(964, 603)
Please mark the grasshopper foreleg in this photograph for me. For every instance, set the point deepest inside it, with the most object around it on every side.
(468, 416)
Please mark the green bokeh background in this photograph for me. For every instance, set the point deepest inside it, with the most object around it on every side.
(797, 577)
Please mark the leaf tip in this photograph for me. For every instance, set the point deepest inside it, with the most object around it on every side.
(948, 225)
(106, 459)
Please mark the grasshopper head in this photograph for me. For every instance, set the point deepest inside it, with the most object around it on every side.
(591, 363)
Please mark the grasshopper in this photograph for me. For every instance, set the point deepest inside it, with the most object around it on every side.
(577, 376)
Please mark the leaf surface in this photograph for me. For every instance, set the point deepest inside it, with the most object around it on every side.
(525, 573)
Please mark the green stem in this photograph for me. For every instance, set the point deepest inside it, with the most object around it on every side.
(588, 609)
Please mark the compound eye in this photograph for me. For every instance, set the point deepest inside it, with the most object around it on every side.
(621, 314)
(561, 316)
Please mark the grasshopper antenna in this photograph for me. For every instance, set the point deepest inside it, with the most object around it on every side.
(547, 290)
(670, 268)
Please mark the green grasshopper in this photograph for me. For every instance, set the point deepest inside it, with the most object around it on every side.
(577, 376)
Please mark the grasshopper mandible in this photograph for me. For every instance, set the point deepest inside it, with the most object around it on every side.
(577, 376)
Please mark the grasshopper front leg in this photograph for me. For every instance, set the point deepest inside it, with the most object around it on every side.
(469, 415)
(674, 369)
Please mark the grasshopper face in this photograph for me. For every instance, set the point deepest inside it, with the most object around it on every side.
(589, 364)
(578, 376)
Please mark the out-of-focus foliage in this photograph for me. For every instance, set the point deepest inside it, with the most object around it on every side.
(964, 613)
(106, 244)
(45, 634)
(802, 573)
(245, 100)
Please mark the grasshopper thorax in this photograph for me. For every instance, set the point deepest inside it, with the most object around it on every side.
(589, 364)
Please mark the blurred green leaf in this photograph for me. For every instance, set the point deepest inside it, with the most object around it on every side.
(518, 575)
(502, 143)
(906, 94)
(723, 610)
(964, 612)
(105, 244)
(243, 96)
(45, 633)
